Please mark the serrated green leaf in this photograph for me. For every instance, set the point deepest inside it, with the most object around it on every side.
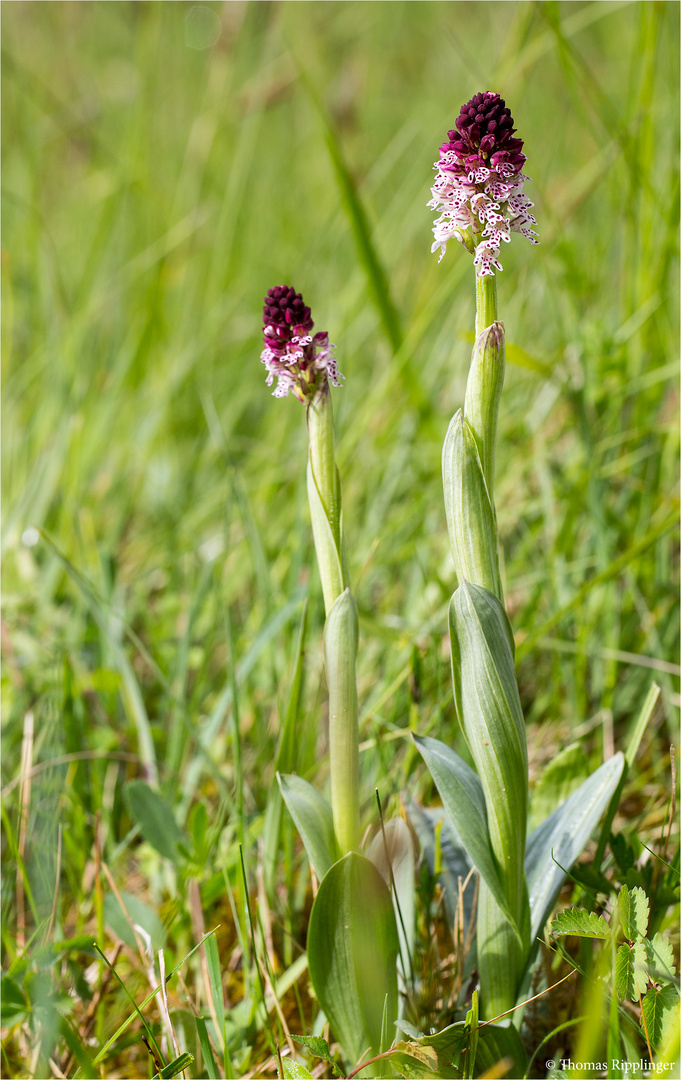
(155, 818)
(319, 1048)
(174, 1068)
(631, 970)
(464, 803)
(660, 958)
(313, 820)
(352, 948)
(633, 911)
(559, 841)
(578, 922)
(293, 1070)
(660, 1010)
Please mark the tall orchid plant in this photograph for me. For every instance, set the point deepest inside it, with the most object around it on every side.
(357, 929)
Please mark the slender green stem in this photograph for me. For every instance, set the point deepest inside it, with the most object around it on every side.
(485, 303)
(322, 459)
(340, 652)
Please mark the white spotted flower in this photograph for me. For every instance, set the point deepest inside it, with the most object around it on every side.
(478, 191)
(299, 361)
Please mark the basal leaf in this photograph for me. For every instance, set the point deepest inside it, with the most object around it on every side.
(154, 817)
(319, 1048)
(293, 1070)
(578, 922)
(559, 841)
(399, 857)
(562, 775)
(631, 970)
(464, 803)
(660, 1010)
(633, 911)
(352, 948)
(314, 821)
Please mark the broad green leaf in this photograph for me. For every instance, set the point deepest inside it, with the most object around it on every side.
(352, 948)
(319, 1048)
(559, 841)
(174, 1068)
(140, 915)
(464, 803)
(293, 1070)
(497, 1041)
(579, 922)
(399, 857)
(660, 959)
(633, 911)
(489, 711)
(562, 775)
(15, 1005)
(470, 514)
(660, 1010)
(314, 821)
(341, 634)
(154, 817)
(631, 970)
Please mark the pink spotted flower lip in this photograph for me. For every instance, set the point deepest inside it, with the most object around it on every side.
(300, 362)
(478, 191)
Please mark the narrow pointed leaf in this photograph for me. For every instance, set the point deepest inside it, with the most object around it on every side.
(558, 842)
(352, 947)
(312, 816)
(464, 803)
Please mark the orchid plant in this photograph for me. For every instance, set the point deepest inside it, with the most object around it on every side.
(358, 938)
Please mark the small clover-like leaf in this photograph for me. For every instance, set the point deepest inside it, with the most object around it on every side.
(581, 923)
(634, 910)
(631, 970)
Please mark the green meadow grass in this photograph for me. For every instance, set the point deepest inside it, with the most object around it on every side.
(157, 551)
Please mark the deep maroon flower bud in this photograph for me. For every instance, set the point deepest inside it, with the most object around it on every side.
(298, 361)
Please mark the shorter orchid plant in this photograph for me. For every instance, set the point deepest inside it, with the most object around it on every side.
(358, 938)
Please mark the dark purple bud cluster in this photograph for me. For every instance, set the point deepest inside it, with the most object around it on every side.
(285, 316)
(484, 134)
(301, 364)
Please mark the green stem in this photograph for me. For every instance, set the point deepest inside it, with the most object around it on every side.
(340, 651)
(322, 459)
(485, 303)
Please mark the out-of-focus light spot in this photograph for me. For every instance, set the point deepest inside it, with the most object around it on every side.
(202, 27)
(30, 537)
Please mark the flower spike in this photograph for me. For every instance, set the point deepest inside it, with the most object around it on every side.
(300, 362)
(479, 186)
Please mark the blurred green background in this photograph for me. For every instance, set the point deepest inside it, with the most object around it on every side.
(166, 163)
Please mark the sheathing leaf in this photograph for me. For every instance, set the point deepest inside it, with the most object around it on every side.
(352, 948)
(558, 842)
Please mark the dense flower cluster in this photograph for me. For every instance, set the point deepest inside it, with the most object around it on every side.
(479, 187)
(300, 362)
